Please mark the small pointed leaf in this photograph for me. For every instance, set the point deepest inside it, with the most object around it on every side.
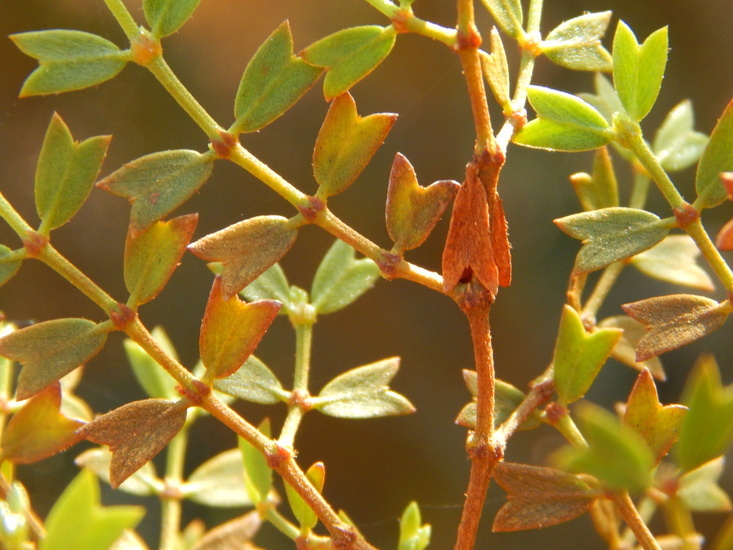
(674, 321)
(413, 210)
(539, 497)
(231, 330)
(600, 189)
(236, 534)
(341, 278)
(65, 173)
(306, 517)
(576, 43)
(152, 377)
(507, 14)
(676, 145)
(363, 392)
(496, 71)
(611, 234)
(674, 260)
(414, 535)
(68, 60)
(349, 55)
(142, 483)
(700, 491)
(152, 255)
(219, 482)
(135, 433)
(77, 520)
(716, 158)
(258, 475)
(51, 349)
(253, 381)
(625, 348)
(273, 81)
(345, 144)
(9, 263)
(158, 183)
(246, 249)
(605, 100)
(39, 430)
(658, 425)
(167, 16)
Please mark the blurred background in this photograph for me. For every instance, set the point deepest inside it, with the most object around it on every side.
(375, 467)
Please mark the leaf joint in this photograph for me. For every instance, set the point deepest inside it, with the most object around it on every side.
(685, 215)
(145, 48)
(224, 144)
(122, 316)
(315, 206)
(34, 243)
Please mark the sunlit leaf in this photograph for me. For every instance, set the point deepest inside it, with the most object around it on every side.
(142, 483)
(576, 43)
(507, 14)
(345, 144)
(674, 260)
(605, 100)
(253, 381)
(699, 489)
(235, 534)
(167, 16)
(625, 348)
(716, 158)
(306, 517)
(219, 482)
(676, 144)
(496, 70)
(414, 535)
(258, 475)
(600, 189)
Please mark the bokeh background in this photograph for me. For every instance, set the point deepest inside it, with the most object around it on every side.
(375, 467)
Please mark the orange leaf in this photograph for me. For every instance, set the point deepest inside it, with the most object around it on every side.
(724, 240)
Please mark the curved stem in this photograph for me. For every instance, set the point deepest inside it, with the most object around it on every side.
(602, 287)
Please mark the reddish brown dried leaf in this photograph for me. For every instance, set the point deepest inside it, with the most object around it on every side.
(135, 433)
(231, 330)
(674, 321)
(236, 534)
(38, 430)
(539, 497)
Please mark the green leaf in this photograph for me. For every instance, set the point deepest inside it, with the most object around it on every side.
(699, 489)
(638, 70)
(565, 123)
(599, 190)
(306, 517)
(51, 349)
(611, 234)
(231, 330)
(363, 392)
(345, 145)
(349, 55)
(219, 482)
(414, 535)
(253, 381)
(496, 71)
(507, 14)
(273, 81)
(152, 255)
(674, 321)
(271, 285)
(676, 144)
(167, 16)
(576, 43)
(707, 431)
(151, 376)
(716, 158)
(579, 356)
(658, 425)
(412, 210)
(39, 430)
(142, 483)
(625, 348)
(77, 520)
(674, 260)
(9, 263)
(340, 278)
(616, 454)
(68, 60)
(246, 249)
(65, 173)
(258, 475)
(158, 183)
(605, 100)
(539, 497)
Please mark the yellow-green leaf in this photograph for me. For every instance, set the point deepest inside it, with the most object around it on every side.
(716, 158)
(306, 517)
(576, 43)
(167, 16)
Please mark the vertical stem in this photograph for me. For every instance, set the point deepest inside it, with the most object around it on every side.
(303, 339)
(628, 512)
(171, 503)
(124, 19)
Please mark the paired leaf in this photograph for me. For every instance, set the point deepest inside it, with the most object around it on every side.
(579, 356)
(699, 489)
(414, 535)
(135, 433)
(363, 392)
(341, 278)
(219, 482)
(77, 520)
(39, 430)
(306, 517)
(539, 497)
(413, 210)
(68, 60)
(9, 263)
(345, 145)
(167, 16)
(152, 377)
(51, 349)
(625, 348)
(600, 189)
(638, 69)
(246, 249)
(616, 454)
(273, 81)
(142, 483)
(258, 475)
(707, 431)
(716, 158)
(674, 321)
(152, 255)
(658, 425)
(349, 55)
(496, 71)
(611, 234)
(674, 260)
(507, 14)
(231, 330)
(576, 43)
(676, 144)
(65, 173)
(565, 123)
(253, 381)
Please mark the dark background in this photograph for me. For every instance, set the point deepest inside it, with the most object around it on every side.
(374, 467)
